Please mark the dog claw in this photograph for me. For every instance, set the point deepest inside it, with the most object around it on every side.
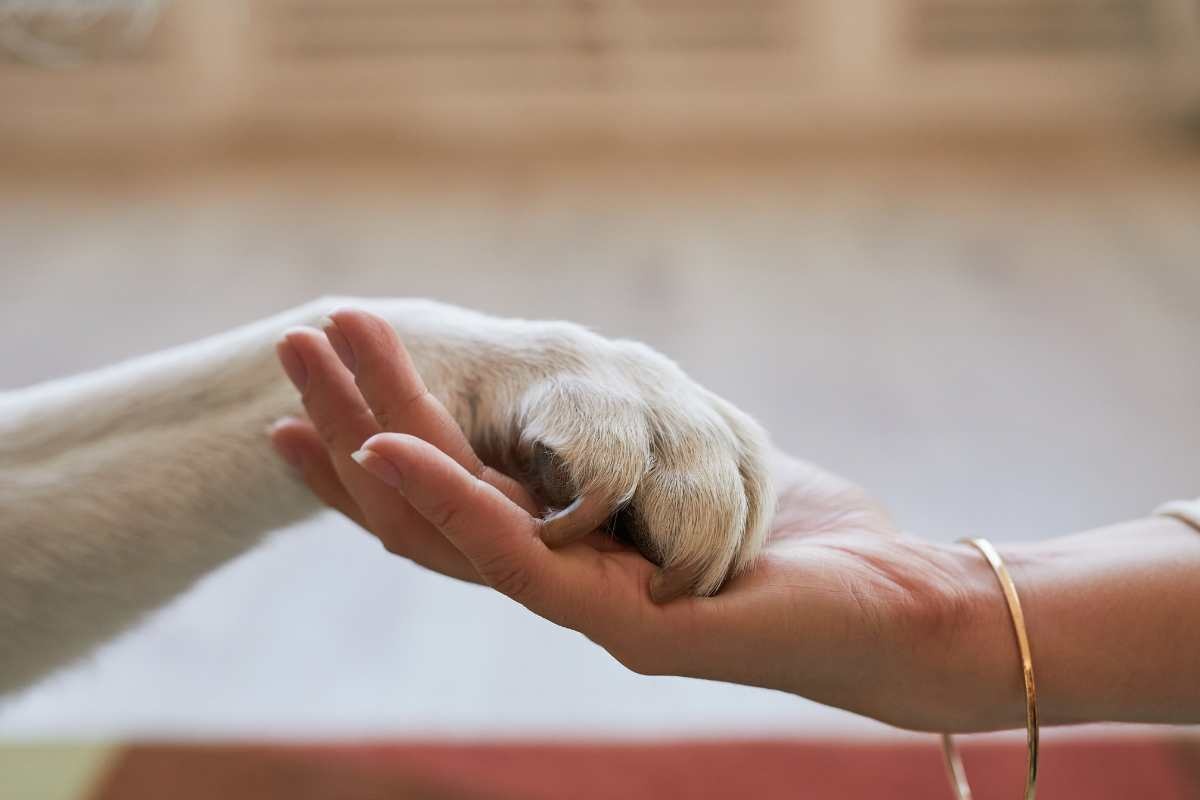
(581, 517)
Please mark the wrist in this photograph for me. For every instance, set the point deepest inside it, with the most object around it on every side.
(955, 666)
(975, 665)
(1101, 616)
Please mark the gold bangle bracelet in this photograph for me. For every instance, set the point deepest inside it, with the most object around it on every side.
(954, 765)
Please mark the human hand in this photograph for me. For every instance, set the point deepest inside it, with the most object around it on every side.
(840, 607)
(595, 429)
(343, 413)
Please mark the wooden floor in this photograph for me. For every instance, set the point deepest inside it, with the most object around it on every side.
(1006, 350)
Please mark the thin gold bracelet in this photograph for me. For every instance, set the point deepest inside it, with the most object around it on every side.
(954, 765)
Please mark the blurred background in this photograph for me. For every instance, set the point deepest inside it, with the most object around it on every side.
(949, 248)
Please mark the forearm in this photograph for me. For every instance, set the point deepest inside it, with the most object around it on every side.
(1113, 617)
(120, 488)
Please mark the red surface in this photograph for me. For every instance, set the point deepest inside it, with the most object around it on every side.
(1085, 769)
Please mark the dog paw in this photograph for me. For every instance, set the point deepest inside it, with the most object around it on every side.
(607, 433)
(611, 433)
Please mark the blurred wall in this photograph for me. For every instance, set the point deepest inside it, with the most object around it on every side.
(216, 74)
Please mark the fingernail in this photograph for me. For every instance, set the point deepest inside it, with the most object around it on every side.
(380, 467)
(339, 343)
(293, 365)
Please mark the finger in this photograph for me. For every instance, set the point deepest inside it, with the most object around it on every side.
(343, 421)
(368, 346)
(499, 538)
(297, 441)
(601, 594)
(327, 389)
(391, 386)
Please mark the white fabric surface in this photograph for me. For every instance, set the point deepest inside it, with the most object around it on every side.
(1186, 510)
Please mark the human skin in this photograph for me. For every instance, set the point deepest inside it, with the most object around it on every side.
(842, 607)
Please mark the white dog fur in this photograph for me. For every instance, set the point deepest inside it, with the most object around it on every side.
(120, 488)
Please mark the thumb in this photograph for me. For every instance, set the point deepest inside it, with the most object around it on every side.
(499, 538)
